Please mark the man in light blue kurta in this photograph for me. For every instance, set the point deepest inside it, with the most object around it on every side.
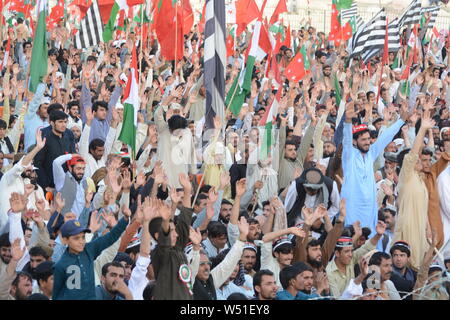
(359, 182)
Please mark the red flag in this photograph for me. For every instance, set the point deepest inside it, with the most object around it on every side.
(385, 58)
(246, 12)
(287, 40)
(230, 45)
(56, 15)
(276, 69)
(295, 71)
(347, 31)
(335, 32)
(188, 16)
(169, 31)
(281, 7)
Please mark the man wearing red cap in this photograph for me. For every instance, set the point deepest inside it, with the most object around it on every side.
(358, 157)
(71, 184)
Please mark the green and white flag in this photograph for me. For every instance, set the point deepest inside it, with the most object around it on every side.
(39, 56)
(109, 27)
(131, 106)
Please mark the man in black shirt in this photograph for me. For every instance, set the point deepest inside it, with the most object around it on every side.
(403, 277)
(55, 146)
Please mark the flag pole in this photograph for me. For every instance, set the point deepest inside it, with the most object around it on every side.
(176, 36)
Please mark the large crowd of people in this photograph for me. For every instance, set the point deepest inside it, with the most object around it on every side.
(351, 202)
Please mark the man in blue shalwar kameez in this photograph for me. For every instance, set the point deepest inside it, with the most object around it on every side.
(358, 157)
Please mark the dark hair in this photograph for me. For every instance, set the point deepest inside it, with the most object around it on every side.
(101, 104)
(73, 103)
(55, 106)
(91, 58)
(111, 264)
(284, 248)
(225, 201)
(216, 229)
(313, 243)
(3, 124)
(21, 274)
(200, 197)
(257, 278)
(26, 42)
(38, 251)
(290, 142)
(177, 122)
(205, 189)
(154, 226)
(56, 115)
(377, 258)
(96, 143)
(252, 221)
(4, 240)
(237, 296)
(427, 152)
(400, 248)
(265, 203)
(147, 294)
(286, 274)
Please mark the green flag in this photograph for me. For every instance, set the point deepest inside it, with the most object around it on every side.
(337, 90)
(236, 95)
(39, 56)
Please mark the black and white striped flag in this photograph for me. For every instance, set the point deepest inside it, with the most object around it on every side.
(394, 36)
(350, 12)
(412, 14)
(215, 61)
(433, 11)
(91, 28)
(370, 39)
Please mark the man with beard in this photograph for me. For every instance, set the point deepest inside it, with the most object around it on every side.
(297, 282)
(384, 263)
(341, 270)
(311, 189)
(55, 146)
(225, 211)
(37, 256)
(15, 286)
(97, 150)
(265, 285)
(313, 252)
(72, 183)
(358, 157)
(5, 252)
(113, 286)
(248, 258)
(74, 113)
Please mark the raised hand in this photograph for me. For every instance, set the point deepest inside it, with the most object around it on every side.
(126, 211)
(184, 181)
(213, 196)
(94, 222)
(358, 230)
(164, 210)
(17, 251)
(298, 232)
(380, 228)
(40, 143)
(176, 199)
(17, 202)
(258, 185)
(224, 179)
(40, 205)
(343, 210)
(195, 236)
(243, 229)
(386, 189)
(110, 219)
(140, 179)
(309, 216)
(350, 112)
(126, 180)
(241, 187)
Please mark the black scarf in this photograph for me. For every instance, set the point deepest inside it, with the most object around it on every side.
(205, 290)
